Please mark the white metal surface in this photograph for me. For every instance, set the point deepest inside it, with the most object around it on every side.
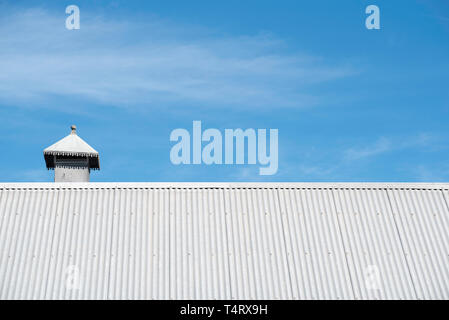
(224, 240)
(71, 145)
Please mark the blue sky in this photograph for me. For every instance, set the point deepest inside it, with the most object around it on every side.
(350, 104)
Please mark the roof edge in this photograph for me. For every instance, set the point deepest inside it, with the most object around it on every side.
(67, 153)
(227, 185)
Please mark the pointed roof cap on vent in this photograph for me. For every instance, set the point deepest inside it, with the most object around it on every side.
(72, 146)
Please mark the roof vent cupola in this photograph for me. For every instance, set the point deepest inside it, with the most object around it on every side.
(72, 159)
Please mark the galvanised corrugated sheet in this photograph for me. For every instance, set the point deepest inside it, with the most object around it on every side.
(224, 241)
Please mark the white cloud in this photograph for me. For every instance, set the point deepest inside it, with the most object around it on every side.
(382, 145)
(28, 175)
(423, 141)
(436, 173)
(150, 63)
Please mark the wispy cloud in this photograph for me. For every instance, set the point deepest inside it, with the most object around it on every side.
(380, 146)
(339, 161)
(439, 172)
(29, 175)
(424, 141)
(153, 63)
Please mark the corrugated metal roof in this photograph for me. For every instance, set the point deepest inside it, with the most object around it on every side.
(224, 241)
